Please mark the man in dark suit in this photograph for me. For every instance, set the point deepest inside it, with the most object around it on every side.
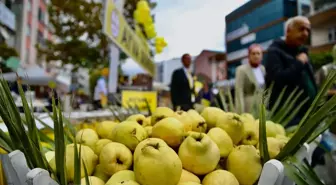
(182, 86)
(287, 65)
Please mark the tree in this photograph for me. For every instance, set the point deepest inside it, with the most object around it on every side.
(320, 59)
(5, 53)
(77, 26)
(79, 36)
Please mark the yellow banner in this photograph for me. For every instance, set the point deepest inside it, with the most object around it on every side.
(118, 30)
(137, 98)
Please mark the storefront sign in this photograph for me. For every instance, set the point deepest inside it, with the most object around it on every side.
(118, 30)
(7, 17)
(137, 98)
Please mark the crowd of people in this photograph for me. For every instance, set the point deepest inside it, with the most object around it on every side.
(286, 65)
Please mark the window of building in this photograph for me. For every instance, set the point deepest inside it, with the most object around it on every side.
(41, 15)
(27, 57)
(29, 5)
(332, 34)
(305, 10)
(40, 38)
(28, 30)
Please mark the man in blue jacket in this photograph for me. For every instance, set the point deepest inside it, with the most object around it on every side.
(287, 65)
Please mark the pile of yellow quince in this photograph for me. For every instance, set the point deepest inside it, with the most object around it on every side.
(174, 148)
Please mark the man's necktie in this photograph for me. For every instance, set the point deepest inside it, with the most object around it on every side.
(191, 85)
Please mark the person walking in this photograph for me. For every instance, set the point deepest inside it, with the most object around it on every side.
(250, 78)
(100, 92)
(287, 65)
(182, 86)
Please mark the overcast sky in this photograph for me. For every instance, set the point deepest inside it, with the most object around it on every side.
(189, 26)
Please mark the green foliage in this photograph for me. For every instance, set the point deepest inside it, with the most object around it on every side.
(309, 124)
(263, 146)
(78, 30)
(25, 140)
(5, 53)
(320, 59)
(77, 26)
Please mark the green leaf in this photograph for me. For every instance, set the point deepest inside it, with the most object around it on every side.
(114, 114)
(305, 131)
(46, 126)
(5, 146)
(77, 163)
(281, 113)
(322, 128)
(148, 107)
(70, 133)
(263, 148)
(59, 143)
(32, 130)
(222, 101)
(46, 139)
(320, 95)
(301, 172)
(86, 174)
(293, 113)
(6, 139)
(231, 104)
(291, 129)
(277, 103)
(292, 173)
(290, 107)
(19, 137)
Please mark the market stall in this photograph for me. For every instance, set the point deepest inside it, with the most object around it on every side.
(249, 144)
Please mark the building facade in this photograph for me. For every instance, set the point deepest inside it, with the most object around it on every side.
(210, 66)
(322, 18)
(257, 21)
(165, 69)
(32, 29)
(7, 23)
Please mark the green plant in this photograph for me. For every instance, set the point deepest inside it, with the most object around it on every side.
(319, 59)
